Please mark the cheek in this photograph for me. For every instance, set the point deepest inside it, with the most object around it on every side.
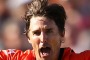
(55, 42)
(35, 42)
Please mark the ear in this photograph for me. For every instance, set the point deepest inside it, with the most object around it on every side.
(63, 33)
(63, 37)
(30, 44)
(29, 41)
(27, 35)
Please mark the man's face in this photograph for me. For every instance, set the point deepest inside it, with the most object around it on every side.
(44, 37)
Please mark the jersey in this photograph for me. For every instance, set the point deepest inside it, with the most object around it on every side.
(69, 54)
(12, 54)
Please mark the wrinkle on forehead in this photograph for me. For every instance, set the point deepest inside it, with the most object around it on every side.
(38, 19)
(42, 22)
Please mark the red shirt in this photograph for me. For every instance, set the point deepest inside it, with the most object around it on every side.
(71, 55)
(12, 54)
(28, 55)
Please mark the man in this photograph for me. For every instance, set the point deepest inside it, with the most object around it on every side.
(45, 31)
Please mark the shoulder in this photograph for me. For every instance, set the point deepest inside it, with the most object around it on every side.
(10, 51)
(67, 50)
(28, 55)
(13, 54)
(70, 54)
(10, 54)
(86, 54)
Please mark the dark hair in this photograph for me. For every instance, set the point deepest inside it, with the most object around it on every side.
(54, 12)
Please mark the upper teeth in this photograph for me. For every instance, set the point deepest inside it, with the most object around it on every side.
(44, 47)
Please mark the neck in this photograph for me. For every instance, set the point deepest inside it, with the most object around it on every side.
(56, 56)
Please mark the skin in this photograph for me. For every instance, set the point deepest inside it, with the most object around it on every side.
(43, 32)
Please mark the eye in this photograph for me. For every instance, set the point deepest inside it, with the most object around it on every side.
(48, 31)
(37, 32)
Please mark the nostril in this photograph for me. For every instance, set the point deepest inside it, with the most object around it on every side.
(43, 40)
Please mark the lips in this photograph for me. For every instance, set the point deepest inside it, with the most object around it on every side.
(45, 51)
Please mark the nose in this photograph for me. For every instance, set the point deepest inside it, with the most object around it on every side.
(43, 37)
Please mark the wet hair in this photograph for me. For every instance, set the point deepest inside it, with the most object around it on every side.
(54, 12)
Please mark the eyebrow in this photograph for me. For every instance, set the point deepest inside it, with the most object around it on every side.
(39, 29)
(35, 30)
(49, 29)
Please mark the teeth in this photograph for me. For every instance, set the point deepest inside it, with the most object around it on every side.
(44, 47)
(45, 53)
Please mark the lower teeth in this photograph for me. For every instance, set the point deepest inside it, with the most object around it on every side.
(45, 53)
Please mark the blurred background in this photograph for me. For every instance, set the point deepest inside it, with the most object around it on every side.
(77, 28)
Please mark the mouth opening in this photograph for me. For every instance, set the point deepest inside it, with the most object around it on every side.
(45, 51)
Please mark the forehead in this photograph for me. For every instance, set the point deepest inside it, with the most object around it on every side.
(37, 22)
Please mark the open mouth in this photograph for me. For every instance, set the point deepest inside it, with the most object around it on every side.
(45, 51)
